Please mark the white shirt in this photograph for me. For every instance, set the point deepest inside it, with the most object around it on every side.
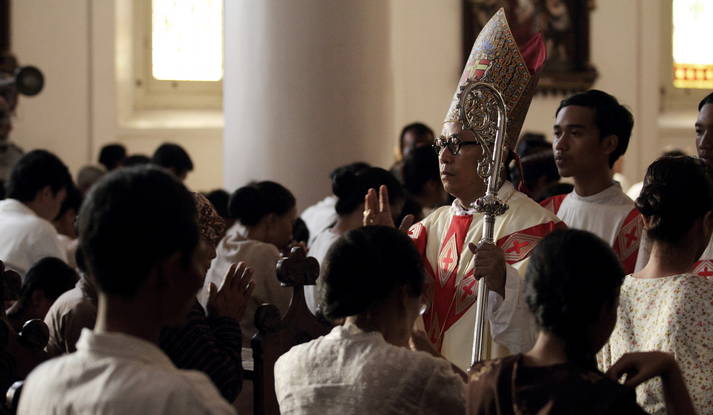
(25, 238)
(318, 250)
(602, 213)
(262, 258)
(113, 373)
(350, 371)
(319, 216)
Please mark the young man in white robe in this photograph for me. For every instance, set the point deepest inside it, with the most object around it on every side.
(447, 238)
(591, 133)
(704, 145)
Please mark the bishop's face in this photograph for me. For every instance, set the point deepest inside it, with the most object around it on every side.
(704, 134)
(459, 171)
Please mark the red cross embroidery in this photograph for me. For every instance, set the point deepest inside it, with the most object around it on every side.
(446, 261)
(706, 272)
(630, 237)
(468, 289)
(517, 246)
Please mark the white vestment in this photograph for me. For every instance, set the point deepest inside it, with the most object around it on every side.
(442, 239)
(609, 214)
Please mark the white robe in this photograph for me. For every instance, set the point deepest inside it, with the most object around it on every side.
(442, 239)
(609, 214)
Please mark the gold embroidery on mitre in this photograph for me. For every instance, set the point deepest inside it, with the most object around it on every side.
(495, 59)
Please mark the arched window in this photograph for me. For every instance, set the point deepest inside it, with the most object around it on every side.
(178, 54)
(691, 48)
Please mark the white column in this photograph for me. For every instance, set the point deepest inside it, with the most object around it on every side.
(307, 88)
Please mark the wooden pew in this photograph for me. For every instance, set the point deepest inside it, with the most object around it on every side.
(277, 334)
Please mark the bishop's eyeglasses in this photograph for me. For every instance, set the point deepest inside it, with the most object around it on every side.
(452, 142)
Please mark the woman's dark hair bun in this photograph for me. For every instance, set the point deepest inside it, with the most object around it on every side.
(250, 203)
(677, 191)
(343, 183)
(571, 277)
(350, 187)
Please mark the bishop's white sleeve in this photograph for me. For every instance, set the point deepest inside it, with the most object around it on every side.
(511, 323)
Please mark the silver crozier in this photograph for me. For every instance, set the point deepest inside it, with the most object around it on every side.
(479, 103)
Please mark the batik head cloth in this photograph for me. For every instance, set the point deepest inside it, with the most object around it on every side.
(210, 224)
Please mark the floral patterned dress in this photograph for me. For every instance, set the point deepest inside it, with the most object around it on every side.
(672, 314)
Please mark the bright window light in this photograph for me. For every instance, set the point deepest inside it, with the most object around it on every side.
(187, 40)
(692, 54)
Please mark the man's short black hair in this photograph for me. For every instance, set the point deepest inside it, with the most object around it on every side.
(707, 100)
(418, 128)
(610, 117)
(220, 199)
(136, 160)
(35, 171)
(420, 167)
(73, 201)
(50, 275)
(174, 157)
(111, 155)
(132, 219)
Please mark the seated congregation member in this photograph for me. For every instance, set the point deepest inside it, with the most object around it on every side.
(373, 280)
(422, 179)
(36, 189)
(350, 187)
(572, 286)
(136, 160)
(211, 343)
(73, 311)
(664, 306)
(219, 198)
(265, 213)
(87, 176)
(173, 158)
(322, 215)
(43, 284)
(591, 132)
(413, 136)
(112, 156)
(140, 241)
(64, 223)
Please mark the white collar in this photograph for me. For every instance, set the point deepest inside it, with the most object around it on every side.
(120, 345)
(505, 192)
(14, 205)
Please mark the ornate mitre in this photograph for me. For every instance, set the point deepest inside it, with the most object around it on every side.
(512, 69)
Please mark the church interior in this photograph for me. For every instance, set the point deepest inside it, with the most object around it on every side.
(356, 206)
